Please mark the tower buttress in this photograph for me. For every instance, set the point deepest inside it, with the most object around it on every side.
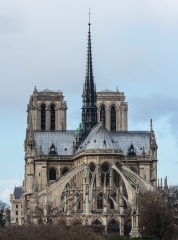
(89, 109)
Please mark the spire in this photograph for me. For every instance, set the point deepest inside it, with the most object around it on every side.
(151, 125)
(89, 109)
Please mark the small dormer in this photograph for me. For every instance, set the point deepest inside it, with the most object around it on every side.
(131, 150)
(52, 149)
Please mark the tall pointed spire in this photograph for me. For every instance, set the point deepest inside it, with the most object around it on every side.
(89, 109)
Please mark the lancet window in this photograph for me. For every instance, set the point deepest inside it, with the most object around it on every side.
(100, 201)
(103, 115)
(43, 118)
(113, 119)
(52, 174)
(105, 174)
(52, 112)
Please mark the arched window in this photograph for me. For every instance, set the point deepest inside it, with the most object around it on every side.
(127, 228)
(116, 178)
(102, 115)
(52, 174)
(105, 174)
(113, 119)
(65, 170)
(91, 172)
(113, 226)
(96, 222)
(43, 118)
(52, 118)
(100, 201)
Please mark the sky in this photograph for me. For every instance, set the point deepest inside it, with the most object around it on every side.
(134, 45)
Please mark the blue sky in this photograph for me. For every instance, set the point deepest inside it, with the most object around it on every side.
(43, 44)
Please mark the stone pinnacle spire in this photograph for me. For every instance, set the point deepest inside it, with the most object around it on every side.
(89, 109)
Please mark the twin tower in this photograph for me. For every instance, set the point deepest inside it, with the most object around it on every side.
(47, 109)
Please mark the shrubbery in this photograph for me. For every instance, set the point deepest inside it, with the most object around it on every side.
(47, 232)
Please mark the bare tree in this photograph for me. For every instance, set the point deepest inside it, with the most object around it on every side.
(156, 215)
(4, 214)
(173, 200)
(46, 214)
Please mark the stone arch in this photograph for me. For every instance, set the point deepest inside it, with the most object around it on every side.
(62, 222)
(63, 181)
(77, 221)
(113, 226)
(105, 104)
(133, 169)
(113, 104)
(96, 221)
(129, 189)
(52, 104)
(42, 104)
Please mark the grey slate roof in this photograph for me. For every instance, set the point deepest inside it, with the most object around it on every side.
(100, 138)
(139, 140)
(63, 142)
(17, 192)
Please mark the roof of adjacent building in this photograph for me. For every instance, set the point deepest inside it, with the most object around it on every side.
(106, 90)
(62, 140)
(17, 192)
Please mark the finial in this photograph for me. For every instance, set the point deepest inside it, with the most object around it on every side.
(151, 125)
(165, 182)
(35, 90)
(117, 90)
(89, 17)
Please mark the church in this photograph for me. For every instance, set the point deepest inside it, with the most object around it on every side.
(94, 174)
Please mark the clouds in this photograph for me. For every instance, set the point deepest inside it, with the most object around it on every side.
(44, 43)
(153, 106)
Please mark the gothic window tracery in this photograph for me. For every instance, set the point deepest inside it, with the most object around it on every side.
(113, 119)
(113, 226)
(52, 174)
(103, 115)
(52, 114)
(43, 118)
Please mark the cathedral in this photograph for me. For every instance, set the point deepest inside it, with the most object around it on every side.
(94, 174)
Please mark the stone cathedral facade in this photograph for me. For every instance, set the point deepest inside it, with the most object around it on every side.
(93, 174)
